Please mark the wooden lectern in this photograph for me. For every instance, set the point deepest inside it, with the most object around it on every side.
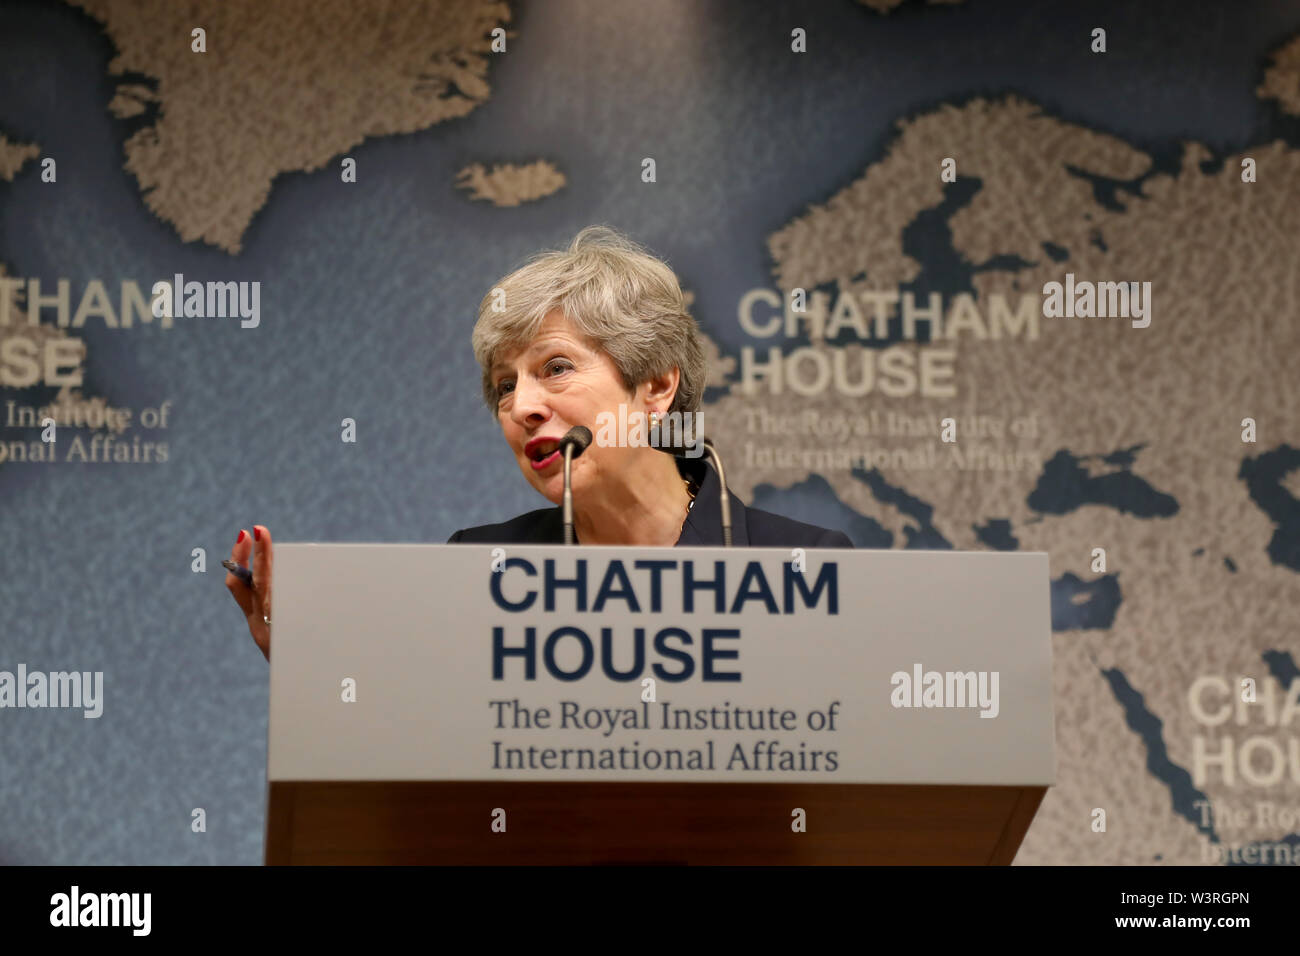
(383, 748)
(741, 824)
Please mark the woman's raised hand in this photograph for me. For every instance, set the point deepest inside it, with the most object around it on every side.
(255, 602)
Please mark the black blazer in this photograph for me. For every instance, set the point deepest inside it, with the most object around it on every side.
(750, 527)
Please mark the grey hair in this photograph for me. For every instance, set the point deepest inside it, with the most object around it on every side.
(617, 294)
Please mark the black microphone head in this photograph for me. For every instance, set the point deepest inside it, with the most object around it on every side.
(579, 437)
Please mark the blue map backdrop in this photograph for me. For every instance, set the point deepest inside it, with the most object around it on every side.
(370, 289)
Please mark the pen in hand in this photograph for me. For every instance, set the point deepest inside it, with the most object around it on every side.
(242, 573)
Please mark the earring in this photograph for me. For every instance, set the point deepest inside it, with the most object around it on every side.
(654, 419)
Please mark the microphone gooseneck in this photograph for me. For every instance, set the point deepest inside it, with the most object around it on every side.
(573, 444)
(722, 481)
(682, 448)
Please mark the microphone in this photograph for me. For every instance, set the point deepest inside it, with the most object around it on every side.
(573, 444)
(722, 481)
(681, 448)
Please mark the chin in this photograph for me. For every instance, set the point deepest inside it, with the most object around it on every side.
(552, 491)
(550, 487)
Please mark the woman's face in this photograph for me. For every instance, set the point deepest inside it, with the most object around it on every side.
(553, 383)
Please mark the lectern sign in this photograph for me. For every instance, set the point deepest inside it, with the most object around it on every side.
(467, 662)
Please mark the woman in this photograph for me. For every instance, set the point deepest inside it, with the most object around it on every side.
(595, 333)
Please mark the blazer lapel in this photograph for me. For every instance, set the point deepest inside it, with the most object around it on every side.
(703, 526)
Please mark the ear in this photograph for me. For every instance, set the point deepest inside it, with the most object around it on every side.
(659, 392)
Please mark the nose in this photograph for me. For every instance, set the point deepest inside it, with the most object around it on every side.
(528, 403)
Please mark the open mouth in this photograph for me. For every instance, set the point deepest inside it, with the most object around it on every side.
(544, 453)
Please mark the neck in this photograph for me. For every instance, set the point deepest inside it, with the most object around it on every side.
(645, 505)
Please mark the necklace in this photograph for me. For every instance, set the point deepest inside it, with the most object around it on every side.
(689, 505)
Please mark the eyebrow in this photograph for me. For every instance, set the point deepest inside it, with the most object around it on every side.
(537, 345)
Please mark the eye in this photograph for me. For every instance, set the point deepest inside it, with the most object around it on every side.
(504, 387)
(560, 364)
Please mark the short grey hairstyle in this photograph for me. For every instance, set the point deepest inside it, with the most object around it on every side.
(617, 294)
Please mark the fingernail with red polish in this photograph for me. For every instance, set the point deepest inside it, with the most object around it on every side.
(241, 536)
(257, 535)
